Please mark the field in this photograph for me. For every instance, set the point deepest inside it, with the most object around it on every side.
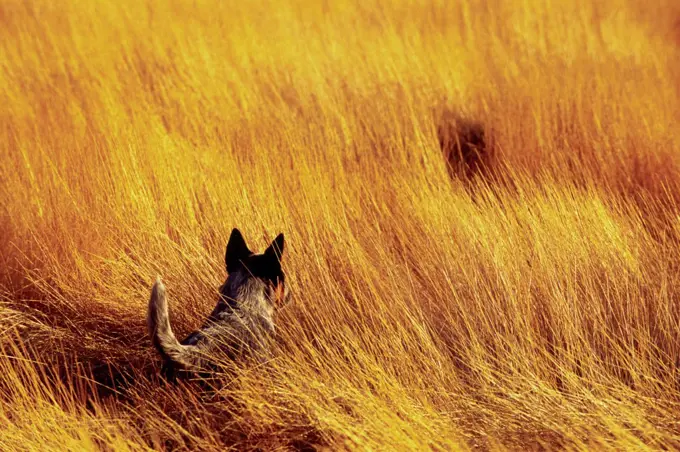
(521, 294)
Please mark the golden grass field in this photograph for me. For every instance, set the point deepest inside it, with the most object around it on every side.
(532, 304)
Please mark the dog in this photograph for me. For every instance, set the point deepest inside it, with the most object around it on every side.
(242, 322)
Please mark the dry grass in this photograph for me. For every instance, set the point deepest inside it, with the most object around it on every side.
(530, 305)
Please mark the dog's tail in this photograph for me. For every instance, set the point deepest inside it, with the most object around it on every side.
(161, 333)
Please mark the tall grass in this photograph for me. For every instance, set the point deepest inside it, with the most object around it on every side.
(534, 305)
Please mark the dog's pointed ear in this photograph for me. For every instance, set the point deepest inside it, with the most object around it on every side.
(237, 251)
(275, 250)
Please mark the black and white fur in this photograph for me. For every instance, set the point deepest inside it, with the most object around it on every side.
(241, 323)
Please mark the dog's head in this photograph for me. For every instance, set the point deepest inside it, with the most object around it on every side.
(255, 279)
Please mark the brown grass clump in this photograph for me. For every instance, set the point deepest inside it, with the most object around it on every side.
(464, 145)
(531, 305)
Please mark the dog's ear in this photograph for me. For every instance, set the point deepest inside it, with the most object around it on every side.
(275, 250)
(237, 251)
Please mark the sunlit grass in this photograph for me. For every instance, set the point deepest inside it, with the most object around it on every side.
(532, 305)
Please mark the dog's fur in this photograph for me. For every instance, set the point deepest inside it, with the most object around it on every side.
(241, 323)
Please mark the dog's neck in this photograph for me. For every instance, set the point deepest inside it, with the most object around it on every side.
(244, 296)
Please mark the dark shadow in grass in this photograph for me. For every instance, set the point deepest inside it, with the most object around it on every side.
(464, 145)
